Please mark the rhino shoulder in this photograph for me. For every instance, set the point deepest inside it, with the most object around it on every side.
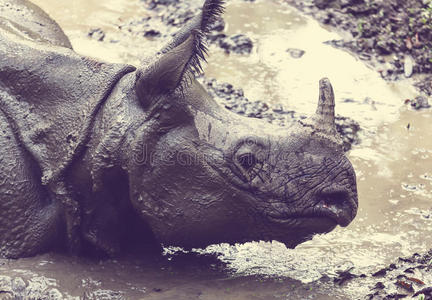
(51, 96)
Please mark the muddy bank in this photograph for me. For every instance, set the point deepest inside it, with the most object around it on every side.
(394, 35)
(402, 279)
(164, 18)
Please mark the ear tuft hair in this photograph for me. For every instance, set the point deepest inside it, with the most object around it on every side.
(175, 65)
(199, 26)
(211, 12)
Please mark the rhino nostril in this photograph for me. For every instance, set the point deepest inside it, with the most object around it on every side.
(336, 204)
(337, 198)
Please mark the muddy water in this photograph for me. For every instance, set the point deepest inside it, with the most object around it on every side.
(393, 164)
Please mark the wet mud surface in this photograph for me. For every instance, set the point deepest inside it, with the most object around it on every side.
(395, 35)
(196, 276)
(373, 258)
(181, 276)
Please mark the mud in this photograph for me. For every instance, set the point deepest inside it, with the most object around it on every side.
(395, 34)
(401, 279)
(391, 153)
(184, 276)
(180, 276)
(164, 18)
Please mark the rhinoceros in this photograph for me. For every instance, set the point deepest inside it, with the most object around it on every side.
(98, 156)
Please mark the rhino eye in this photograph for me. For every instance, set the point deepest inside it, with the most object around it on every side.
(247, 161)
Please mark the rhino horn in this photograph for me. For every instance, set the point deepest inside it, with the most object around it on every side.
(325, 113)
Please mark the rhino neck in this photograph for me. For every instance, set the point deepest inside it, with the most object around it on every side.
(110, 139)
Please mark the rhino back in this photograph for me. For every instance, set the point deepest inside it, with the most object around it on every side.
(28, 21)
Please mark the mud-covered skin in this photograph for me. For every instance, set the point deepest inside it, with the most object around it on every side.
(29, 221)
(106, 156)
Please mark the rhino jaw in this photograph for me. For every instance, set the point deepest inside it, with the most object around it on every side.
(336, 206)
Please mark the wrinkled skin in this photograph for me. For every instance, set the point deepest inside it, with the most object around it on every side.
(144, 156)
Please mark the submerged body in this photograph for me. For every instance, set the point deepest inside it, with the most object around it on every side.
(104, 156)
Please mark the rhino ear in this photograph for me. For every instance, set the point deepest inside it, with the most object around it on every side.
(179, 59)
(163, 75)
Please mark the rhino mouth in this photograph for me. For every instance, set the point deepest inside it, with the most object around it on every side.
(336, 206)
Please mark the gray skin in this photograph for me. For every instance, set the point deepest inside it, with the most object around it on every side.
(101, 157)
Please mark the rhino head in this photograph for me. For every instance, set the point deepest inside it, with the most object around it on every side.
(200, 174)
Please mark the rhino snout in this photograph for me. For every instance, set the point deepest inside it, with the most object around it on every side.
(336, 204)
